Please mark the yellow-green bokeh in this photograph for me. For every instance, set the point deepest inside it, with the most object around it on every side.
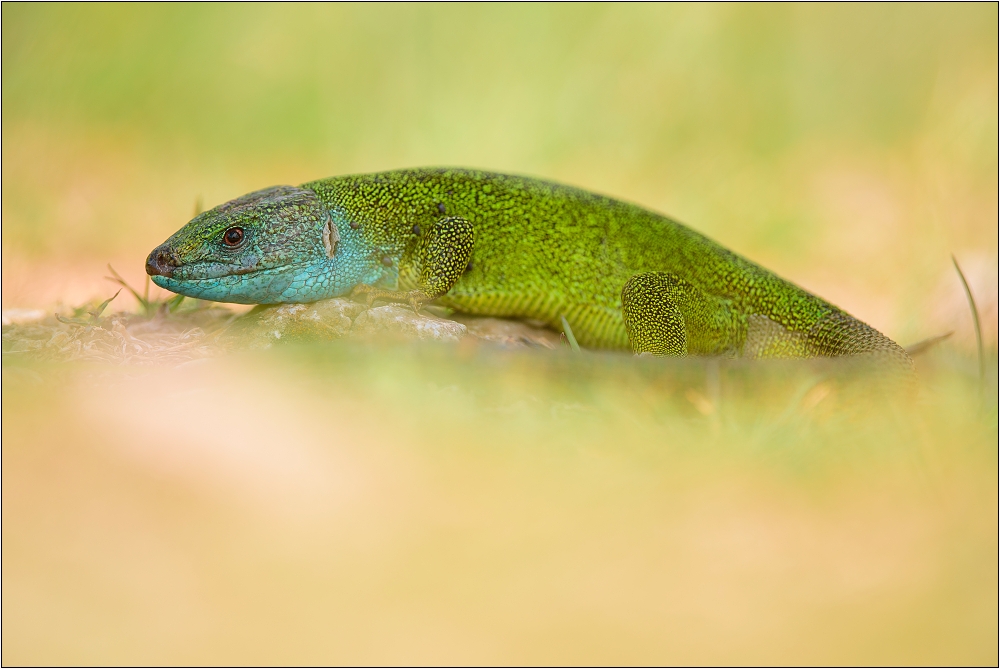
(342, 502)
(851, 148)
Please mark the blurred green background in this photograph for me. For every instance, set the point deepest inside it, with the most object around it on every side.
(347, 502)
(850, 148)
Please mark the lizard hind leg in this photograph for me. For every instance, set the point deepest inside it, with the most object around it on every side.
(652, 315)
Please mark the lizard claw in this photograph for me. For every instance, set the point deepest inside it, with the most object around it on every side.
(414, 298)
(366, 290)
(417, 300)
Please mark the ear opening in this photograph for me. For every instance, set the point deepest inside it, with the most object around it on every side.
(330, 236)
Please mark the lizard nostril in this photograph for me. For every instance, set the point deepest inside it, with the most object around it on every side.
(161, 262)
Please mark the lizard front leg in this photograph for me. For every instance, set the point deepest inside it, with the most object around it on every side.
(442, 256)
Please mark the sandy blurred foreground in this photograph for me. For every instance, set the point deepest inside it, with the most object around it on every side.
(348, 503)
(165, 502)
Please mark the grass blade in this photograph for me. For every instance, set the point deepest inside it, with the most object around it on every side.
(174, 302)
(96, 313)
(979, 330)
(117, 278)
(568, 331)
(925, 344)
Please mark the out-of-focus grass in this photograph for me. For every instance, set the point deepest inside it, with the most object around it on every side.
(350, 504)
(346, 504)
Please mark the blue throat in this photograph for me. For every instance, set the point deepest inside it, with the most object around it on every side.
(354, 261)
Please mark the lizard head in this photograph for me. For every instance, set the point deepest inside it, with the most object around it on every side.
(249, 250)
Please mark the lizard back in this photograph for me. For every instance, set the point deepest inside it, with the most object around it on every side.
(545, 250)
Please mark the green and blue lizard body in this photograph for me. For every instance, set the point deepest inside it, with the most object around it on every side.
(499, 245)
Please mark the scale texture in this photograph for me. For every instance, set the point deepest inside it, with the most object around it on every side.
(500, 245)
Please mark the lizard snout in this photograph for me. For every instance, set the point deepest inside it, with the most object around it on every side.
(161, 262)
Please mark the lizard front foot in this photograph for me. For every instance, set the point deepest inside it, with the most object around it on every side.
(415, 298)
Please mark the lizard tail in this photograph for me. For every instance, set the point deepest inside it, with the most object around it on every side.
(835, 335)
(839, 334)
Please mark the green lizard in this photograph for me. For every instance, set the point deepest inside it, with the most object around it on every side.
(499, 245)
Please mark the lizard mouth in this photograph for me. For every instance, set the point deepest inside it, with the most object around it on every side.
(165, 263)
(244, 286)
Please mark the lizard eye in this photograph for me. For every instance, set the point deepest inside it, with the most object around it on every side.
(233, 237)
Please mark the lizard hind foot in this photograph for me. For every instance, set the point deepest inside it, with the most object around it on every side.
(652, 318)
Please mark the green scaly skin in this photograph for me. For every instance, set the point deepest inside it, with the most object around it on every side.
(500, 245)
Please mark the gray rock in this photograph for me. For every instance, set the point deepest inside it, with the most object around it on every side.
(340, 317)
(267, 324)
(335, 319)
(510, 333)
(397, 321)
